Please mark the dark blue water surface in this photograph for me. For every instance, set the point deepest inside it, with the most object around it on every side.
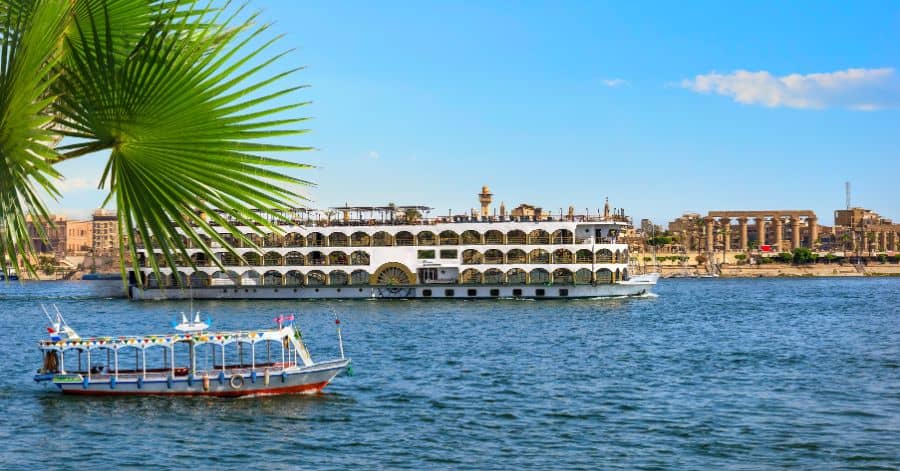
(710, 374)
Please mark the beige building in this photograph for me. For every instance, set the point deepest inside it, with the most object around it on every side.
(55, 234)
(864, 230)
(105, 227)
(79, 237)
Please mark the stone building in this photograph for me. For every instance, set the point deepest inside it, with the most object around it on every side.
(104, 225)
(55, 234)
(864, 230)
(79, 237)
(739, 230)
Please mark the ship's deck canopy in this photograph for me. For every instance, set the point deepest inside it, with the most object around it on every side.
(168, 340)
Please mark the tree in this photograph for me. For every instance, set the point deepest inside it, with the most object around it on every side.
(785, 257)
(802, 255)
(741, 258)
(179, 97)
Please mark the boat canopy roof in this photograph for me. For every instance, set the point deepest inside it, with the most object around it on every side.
(169, 340)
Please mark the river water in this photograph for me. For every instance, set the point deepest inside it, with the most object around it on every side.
(761, 373)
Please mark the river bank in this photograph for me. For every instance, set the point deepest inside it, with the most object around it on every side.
(786, 270)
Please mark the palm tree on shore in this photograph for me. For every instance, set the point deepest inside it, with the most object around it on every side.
(181, 99)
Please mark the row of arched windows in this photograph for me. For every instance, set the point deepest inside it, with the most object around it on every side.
(274, 259)
(363, 277)
(359, 257)
(402, 238)
(541, 256)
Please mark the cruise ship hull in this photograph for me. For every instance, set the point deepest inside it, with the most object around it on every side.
(436, 291)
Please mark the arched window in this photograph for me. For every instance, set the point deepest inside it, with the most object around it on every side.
(294, 240)
(359, 257)
(562, 276)
(199, 279)
(253, 259)
(316, 239)
(449, 238)
(383, 239)
(493, 276)
(315, 278)
(254, 239)
(426, 238)
(200, 259)
(604, 256)
(229, 259)
(539, 237)
(293, 278)
(294, 259)
(584, 256)
(472, 257)
(516, 237)
(471, 238)
(516, 276)
(404, 238)
(273, 240)
(272, 259)
(359, 277)
(539, 256)
(604, 276)
(493, 256)
(562, 256)
(538, 276)
(471, 276)
(316, 258)
(250, 278)
(516, 256)
(493, 237)
(361, 239)
(583, 276)
(338, 278)
(273, 278)
(338, 239)
(338, 258)
(562, 236)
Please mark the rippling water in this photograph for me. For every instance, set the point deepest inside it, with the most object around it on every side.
(711, 373)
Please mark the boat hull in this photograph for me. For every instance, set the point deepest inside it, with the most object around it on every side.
(235, 383)
(436, 291)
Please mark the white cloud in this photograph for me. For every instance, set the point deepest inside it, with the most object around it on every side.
(615, 82)
(857, 89)
(69, 185)
(374, 155)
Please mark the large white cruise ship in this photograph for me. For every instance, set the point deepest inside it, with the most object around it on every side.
(395, 252)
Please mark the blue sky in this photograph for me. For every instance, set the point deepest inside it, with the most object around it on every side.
(663, 107)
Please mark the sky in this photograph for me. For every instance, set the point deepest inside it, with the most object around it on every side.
(664, 107)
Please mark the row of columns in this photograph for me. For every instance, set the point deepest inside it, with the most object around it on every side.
(882, 242)
(761, 222)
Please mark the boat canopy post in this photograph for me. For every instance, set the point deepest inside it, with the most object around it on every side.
(144, 362)
(172, 352)
(79, 360)
(252, 356)
(282, 353)
(223, 358)
(89, 363)
(62, 361)
(116, 360)
(193, 357)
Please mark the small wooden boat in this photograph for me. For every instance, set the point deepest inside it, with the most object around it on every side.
(191, 362)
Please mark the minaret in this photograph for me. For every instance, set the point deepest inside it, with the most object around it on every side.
(485, 198)
(502, 210)
(606, 208)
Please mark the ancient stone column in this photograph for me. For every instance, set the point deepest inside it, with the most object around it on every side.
(779, 232)
(726, 234)
(743, 223)
(795, 232)
(709, 234)
(761, 230)
(813, 224)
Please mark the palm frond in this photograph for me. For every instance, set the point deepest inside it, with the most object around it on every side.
(190, 126)
(28, 54)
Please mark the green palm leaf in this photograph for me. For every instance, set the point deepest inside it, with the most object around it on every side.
(181, 98)
(187, 122)
(28, 36)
